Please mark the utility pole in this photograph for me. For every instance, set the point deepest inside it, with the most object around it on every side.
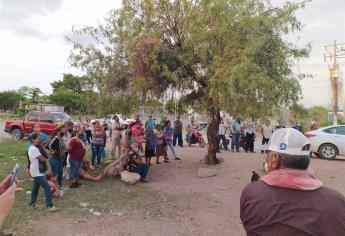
(334, 51)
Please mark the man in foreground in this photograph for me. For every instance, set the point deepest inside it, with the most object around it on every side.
(290, 200)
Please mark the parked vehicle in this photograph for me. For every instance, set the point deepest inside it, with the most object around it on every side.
(196, 138)
(328, 142)
(47, 120)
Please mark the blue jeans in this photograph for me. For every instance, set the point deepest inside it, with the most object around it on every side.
(235, 141)
(170, 145)
(41, 181)
(95, 153)
(57, 168)
(142, 170)
(74, 169)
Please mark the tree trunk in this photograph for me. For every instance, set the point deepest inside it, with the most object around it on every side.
(212, 130)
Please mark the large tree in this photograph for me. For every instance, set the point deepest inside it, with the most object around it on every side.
(32, 95)
(9, 100)
(221, 55)
(73, 92)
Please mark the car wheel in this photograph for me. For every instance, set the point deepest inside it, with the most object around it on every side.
(328, 151)
(17, 134)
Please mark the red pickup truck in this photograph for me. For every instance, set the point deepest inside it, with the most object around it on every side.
(47, 120)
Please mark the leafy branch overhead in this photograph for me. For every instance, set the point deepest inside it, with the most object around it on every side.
(223, 54)
(231, 51)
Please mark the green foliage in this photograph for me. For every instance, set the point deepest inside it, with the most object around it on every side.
(77, 84)
(318, 113)
(222, 57)
(120, 103)
(75, 93)
(69, 99)
(9, 100)
(177, 106)
(226, 55)
(304, 116)
(32, 95)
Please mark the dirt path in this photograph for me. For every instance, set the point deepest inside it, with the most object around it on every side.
(182, 203)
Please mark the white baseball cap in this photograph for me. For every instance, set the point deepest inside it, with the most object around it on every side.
(289, 141)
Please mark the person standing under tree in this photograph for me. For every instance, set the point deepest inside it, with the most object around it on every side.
(150, 145)
(250, 137)
(235, 142)
(58, 149)
(98, 136)
(88, 130)
(178, 127)
(76, 150)
(116, 137)
(36, 160)
(266, 131)
(162, 122)
(222, 135)
(150, 123)
(161, 149)
(168, 134)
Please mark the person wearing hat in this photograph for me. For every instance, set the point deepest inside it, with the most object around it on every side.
(290, 200)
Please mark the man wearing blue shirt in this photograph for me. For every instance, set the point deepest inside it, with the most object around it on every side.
(150, 123)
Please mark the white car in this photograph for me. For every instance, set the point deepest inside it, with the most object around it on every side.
(328, 142)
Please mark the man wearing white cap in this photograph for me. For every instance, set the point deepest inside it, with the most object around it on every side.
(290, 200)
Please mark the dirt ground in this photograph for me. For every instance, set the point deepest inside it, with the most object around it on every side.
(182, 203)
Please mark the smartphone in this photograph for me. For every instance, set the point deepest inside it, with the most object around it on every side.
(13, 175)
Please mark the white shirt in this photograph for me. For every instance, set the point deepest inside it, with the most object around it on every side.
(250, 129)
(222, 129)
(267, 131)
(116, 133)
(33, 153)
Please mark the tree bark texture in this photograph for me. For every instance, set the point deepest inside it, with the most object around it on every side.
(212, 130)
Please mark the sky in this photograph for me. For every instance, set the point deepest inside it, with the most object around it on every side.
(34, 50)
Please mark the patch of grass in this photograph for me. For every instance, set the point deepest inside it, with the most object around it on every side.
(6, 116)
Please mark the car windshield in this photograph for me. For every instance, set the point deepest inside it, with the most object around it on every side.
(60, 116)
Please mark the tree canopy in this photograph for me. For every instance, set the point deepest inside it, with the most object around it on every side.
(221, 55)
(9, 100)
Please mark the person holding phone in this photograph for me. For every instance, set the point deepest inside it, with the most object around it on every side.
(44, 141)
(36, 157)
(7, 197)
(57, 147)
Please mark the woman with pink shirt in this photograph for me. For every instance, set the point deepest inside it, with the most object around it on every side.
(137, 133)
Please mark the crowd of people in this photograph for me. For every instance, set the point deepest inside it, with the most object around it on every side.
(241, 134)
(132, 147)
(65, 151)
